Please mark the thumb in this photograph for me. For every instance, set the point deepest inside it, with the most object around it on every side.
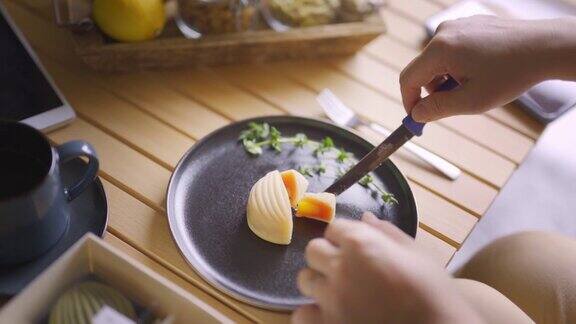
(441, 104)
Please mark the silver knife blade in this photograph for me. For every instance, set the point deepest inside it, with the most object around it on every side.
(372, 160)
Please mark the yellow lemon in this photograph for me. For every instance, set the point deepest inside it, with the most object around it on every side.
(129, 20)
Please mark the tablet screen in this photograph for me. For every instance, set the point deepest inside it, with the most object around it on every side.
(24, 91)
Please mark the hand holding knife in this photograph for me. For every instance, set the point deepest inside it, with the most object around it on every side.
(380, 153)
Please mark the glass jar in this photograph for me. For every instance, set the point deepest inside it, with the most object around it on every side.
(358, 10)
(282, 15)
(196, 18)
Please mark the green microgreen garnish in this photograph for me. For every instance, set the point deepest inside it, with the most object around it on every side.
(326, 145)
(304, 170)
(300, 140)
(261, 135)
(320, 169)
(342, 156)
(366, 180)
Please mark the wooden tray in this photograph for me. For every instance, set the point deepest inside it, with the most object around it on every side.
(172, 50)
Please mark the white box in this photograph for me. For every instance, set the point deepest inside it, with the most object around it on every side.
(93, 256)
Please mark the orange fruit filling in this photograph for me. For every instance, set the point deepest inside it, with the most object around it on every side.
(320, 206)
(289, 179)
(295, 184)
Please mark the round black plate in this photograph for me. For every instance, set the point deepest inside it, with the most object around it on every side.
(206, 206)
(89, 213)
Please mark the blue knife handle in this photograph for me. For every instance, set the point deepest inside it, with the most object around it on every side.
(449, 84)
(415, 127)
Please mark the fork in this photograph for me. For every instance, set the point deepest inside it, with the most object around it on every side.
(341, 115)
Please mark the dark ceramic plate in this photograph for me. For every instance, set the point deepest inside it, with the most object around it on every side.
(89, 213)
(206, 206)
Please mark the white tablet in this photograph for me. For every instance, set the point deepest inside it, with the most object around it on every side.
(27, 93)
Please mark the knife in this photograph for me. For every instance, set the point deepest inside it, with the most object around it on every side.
(382, 152)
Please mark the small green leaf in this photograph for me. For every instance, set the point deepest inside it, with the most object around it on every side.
(275, 133)
(251, 147)
(264, 131)
(342, 156)
(320, 169)
(389, 198)
(276, 146)
(275, 137)
(246, 134)
(255, 132)
(300, 140)
(305, 171)
(324, 146)
(327, 142)
(366, 180)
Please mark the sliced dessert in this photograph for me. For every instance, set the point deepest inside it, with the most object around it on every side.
(319, 206)
(268, 211)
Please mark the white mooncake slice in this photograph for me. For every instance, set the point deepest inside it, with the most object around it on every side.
(268, 211)
(319, 206)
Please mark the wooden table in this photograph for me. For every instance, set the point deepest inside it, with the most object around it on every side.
(142, 123)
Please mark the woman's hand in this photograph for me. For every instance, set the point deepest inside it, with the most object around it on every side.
(371, 272)
(493, 59)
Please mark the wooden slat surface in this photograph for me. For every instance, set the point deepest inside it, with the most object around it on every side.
(406, 8)
(142, 123)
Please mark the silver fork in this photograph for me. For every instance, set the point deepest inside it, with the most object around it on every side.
(340, 114)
